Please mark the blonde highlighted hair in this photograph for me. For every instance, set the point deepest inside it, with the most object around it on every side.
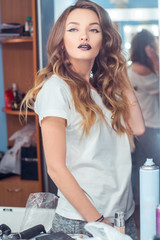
(107, 78)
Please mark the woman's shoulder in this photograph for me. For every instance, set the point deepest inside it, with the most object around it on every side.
(55, 81)
(54, 89)
(53, 99)
(140, 70)
(55, 85)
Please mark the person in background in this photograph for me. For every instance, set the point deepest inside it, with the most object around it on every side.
(87, 111)
(144, 76)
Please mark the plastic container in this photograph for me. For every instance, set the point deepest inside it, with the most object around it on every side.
(8, 99)
(28, 26)
(16, 100)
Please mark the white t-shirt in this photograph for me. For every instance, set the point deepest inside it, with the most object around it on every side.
(100, 162)
(147, 92)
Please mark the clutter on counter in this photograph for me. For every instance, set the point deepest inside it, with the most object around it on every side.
(35, 220)
(100, 231)
(27, 234)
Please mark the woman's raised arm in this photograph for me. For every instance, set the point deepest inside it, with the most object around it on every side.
(135, 123)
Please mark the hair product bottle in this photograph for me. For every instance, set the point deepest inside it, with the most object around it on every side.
(149, 198)
(16, 100)
(119, 222)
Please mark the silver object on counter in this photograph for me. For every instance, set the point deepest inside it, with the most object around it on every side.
(119, 222)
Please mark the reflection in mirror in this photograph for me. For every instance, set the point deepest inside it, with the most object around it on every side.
(140, 49)
(139, 29)
(132, 20)
(130, 30)
(144, 76)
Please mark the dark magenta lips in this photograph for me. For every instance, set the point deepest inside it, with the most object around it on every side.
(84, 46)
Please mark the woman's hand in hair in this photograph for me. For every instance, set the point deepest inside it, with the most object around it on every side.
(153, 55)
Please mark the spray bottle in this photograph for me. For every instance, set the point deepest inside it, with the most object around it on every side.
(149, 199)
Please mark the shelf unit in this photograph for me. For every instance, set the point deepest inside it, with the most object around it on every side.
(20, 67)
(11, 112)
(18, 40)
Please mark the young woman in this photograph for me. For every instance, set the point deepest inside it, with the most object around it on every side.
(87, 111)
(144, 76)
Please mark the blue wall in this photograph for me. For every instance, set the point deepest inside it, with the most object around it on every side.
(60, 5)
(3, 127)
(131, 4)
(47, 20)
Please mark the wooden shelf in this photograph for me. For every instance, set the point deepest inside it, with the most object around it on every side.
(12, 112)
(18, 40)
(20, 65)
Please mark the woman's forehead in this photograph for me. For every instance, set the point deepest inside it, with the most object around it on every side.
(82, 15)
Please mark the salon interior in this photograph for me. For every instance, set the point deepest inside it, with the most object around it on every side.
(21, 55)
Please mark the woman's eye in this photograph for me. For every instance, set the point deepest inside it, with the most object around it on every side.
(95, 30)
(72, 30)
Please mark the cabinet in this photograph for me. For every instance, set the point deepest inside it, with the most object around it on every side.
(20, 67)
(15, 192)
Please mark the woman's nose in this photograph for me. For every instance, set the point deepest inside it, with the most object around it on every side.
(84, 37)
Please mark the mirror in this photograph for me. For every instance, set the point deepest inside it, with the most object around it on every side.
(129, 22)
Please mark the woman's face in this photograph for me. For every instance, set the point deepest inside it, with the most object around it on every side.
(83, 35)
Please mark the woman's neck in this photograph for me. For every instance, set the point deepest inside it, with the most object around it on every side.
(83, 68)
(141, 69)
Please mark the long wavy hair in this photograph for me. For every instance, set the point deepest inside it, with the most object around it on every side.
(108, 70)
(138, 45)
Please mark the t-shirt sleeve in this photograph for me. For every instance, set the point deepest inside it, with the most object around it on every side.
(53, 100)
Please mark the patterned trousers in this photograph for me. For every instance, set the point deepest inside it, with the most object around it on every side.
(72, 226)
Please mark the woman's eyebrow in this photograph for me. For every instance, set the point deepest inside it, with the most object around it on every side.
(76, 23)
(95, 23)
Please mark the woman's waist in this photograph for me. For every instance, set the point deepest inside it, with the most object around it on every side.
(106, 203)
